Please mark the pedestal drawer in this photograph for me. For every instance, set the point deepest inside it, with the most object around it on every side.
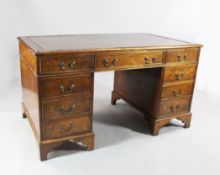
(66, 85)
(128, 60)
(179, 90)
(176, 106)
(179, 73)
(66, 106)
(61, 127)
(66, 63)
(182, 55)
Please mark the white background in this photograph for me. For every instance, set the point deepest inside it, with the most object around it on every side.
(192, 20)
(123, 144)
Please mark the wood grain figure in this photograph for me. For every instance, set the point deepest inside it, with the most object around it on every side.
(154, 74)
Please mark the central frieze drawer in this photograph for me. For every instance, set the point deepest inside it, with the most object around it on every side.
(67, 106)
(61, 127)
(128, 60)
(66, 85)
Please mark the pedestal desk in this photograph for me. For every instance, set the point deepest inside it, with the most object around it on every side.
(154, 74)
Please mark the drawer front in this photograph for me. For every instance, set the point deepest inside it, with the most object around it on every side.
(66, 85)
(179, 73)
(182, 55)
(67, 64)
(128, 60)
(180, 90)
(170, 107)
(67, 106)
(61, 127)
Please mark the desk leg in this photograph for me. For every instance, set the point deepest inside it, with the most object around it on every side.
(46, 147)
(115, 97)
(23, 111)
(157, 124)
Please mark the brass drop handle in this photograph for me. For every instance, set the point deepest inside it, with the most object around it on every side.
(68, 90)
(62, 66)
(174, 108)
(176, 93)
(64, 129)
(114, 61)
(154, 59)
(72, 65)
(106, 62)
(147, 60)
(70, 110)
(179, 76)
(181, 57)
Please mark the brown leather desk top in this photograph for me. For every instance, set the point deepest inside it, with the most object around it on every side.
(92, 43)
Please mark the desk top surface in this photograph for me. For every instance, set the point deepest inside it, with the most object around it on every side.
(59, 44)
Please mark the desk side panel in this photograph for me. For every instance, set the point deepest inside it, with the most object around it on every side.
(141, 88)
(29, 56)
(30, 95)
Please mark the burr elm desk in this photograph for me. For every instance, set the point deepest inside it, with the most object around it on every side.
(154, 74)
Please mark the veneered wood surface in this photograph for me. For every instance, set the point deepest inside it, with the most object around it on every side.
(140, 88)
(182, 55)
(43, 45)
(175, 106)
(61, 127)
(50, 86)
(66, 64)
(161, 89)
(66, 106)
(129, 60)
(30, 94)
(180, 73)
(28, 55)
(178, 90)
